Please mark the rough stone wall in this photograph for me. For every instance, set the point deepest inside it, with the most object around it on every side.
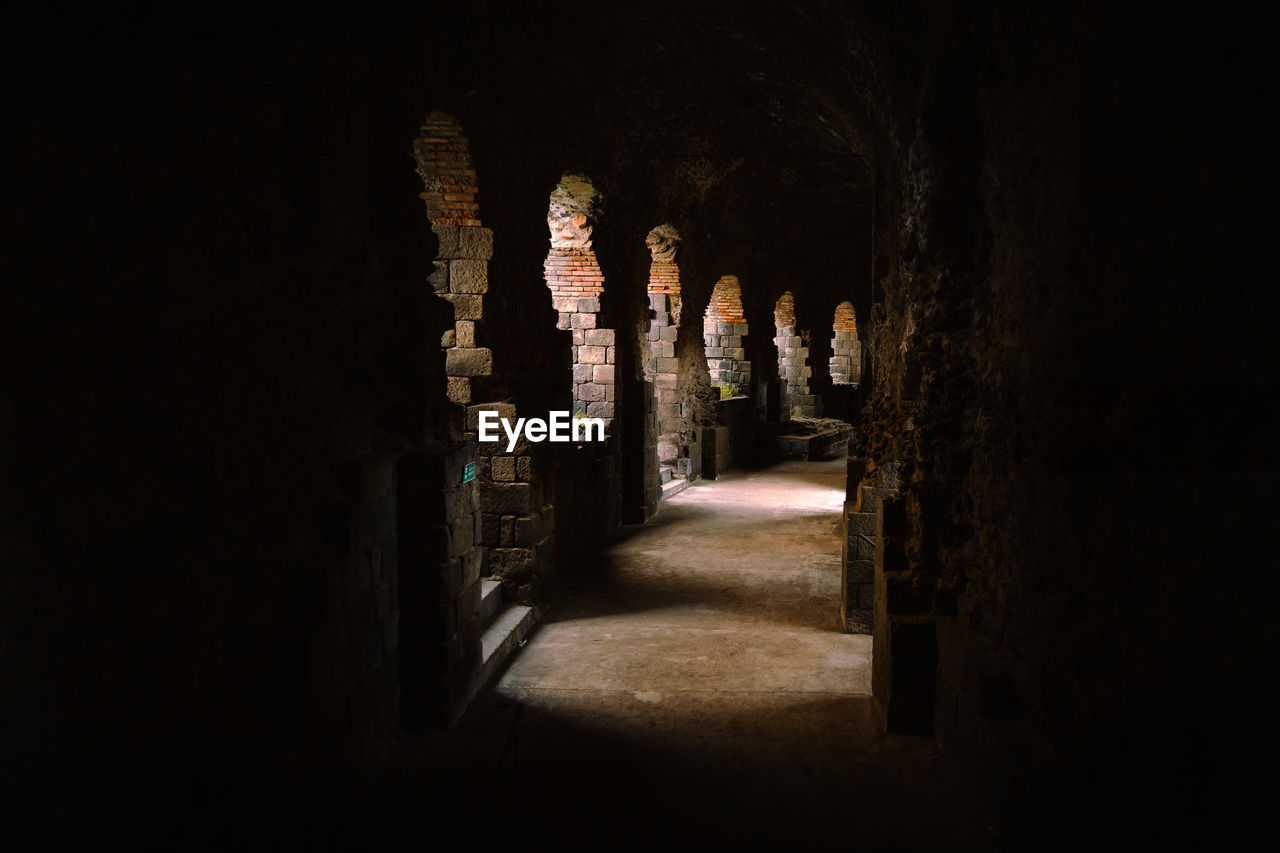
(793, 360)
(723, 328)
(1035, 597)
(576, 282)
(846, 359)
(513, 532)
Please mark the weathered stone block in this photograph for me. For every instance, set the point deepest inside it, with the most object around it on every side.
(467, 276)
(514, 564)
(591, 355)
(503, 468)
(583, 373)
(475, 242)
(504, 410)
(468, 361)
(439, 278)
(528, 530)
(466, 336)
(447, 236)
(466, 306)
(448, 339)
(600, 410)
(861, 571)
(584, 321)
(507, 498)
(602, 373)
(458, 389)
(600, 337)
(588, 304)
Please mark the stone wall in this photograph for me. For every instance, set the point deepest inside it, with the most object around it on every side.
(846, 349)
(723, 330)
(576, 282)
(793, 361)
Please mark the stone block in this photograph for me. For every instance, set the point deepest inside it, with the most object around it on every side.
(507, 498)
(458, 389)
(600, 337)
(514, 564)
(447, 236)
(468, 361)
(475, 242)
(861, 571)
(466, 306)
(591, 355)
(600, 410)
(601, 372)
(466, 276)
(503, 468)
(583, 373)
(449, 339)
(466, 336)
(588, 304)
(439, 278)
(666, 365)
(584, 320)
(589, 392)
(504, 410)
(528, 530)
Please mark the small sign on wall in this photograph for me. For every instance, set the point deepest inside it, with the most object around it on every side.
(468, 472)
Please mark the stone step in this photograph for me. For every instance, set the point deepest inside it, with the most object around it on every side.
(674, 487)
(490, 600)
(665, 473)
(503, 637)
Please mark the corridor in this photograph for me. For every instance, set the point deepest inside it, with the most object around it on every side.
(697, 681)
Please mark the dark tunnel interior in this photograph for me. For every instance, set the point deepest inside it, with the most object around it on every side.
(267, 269)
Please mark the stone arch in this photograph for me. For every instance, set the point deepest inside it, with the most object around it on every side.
(663, 367)
(794, 370)
(846, 350)
(576, 282)
(724, 326)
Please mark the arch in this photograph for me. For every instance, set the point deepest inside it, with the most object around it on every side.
(846, 351)
(794, 370)
(663, 367)
(576, 281)
(723, 327)
(461, 276)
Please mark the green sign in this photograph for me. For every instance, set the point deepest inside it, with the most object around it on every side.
(468, 472)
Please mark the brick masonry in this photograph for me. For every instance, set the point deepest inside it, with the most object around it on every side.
(723, 330)
(846, 358)
(793, 361)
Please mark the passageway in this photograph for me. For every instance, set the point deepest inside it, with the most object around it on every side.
(698, 679)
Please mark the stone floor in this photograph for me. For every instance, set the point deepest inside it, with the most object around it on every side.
(694, 684)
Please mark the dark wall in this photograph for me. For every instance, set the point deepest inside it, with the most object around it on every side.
(1057, 195)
